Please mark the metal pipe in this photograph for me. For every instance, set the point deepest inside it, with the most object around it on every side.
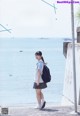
(73, 52)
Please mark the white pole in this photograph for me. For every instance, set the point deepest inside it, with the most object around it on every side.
(74, 63)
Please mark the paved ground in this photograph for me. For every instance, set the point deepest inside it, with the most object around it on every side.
(48, 111)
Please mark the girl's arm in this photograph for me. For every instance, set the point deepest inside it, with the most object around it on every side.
(39, 75)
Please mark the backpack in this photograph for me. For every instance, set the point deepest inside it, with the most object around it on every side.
(46, 77)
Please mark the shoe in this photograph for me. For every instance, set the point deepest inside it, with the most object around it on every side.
(38, 107)
(43, 105)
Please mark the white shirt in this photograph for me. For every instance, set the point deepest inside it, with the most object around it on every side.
(40, 65)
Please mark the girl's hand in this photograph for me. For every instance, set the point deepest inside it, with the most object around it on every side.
(37, 83)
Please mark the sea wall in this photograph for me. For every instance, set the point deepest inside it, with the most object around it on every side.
(68, 89)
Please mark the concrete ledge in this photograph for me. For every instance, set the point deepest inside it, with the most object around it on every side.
(76, 44)
(65, 47)
(68, 78)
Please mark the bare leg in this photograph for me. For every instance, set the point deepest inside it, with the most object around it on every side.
(38, 96)
(43, 101)
(42, 97)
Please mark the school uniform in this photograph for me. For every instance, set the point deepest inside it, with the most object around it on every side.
(41, 85)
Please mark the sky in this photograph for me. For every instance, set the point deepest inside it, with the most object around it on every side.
(34, 18)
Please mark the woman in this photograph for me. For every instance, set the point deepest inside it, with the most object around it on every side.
(39, 84)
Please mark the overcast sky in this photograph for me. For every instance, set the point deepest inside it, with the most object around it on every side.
(34, 18)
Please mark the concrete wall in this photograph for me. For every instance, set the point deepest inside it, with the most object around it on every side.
(68, 94)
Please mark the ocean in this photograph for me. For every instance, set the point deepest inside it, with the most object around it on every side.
(18, 65)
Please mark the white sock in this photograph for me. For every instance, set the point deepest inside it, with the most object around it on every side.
(42, 100)
(39, 104)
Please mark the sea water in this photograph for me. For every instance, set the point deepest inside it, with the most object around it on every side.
(18, 66)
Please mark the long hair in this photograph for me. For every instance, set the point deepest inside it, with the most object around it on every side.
(42, 59)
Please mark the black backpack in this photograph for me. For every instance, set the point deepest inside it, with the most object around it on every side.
(46, 77)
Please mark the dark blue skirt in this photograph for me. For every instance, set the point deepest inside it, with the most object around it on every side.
(40, 86)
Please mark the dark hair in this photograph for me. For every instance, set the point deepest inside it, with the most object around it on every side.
(42, 59)
(39, 53)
